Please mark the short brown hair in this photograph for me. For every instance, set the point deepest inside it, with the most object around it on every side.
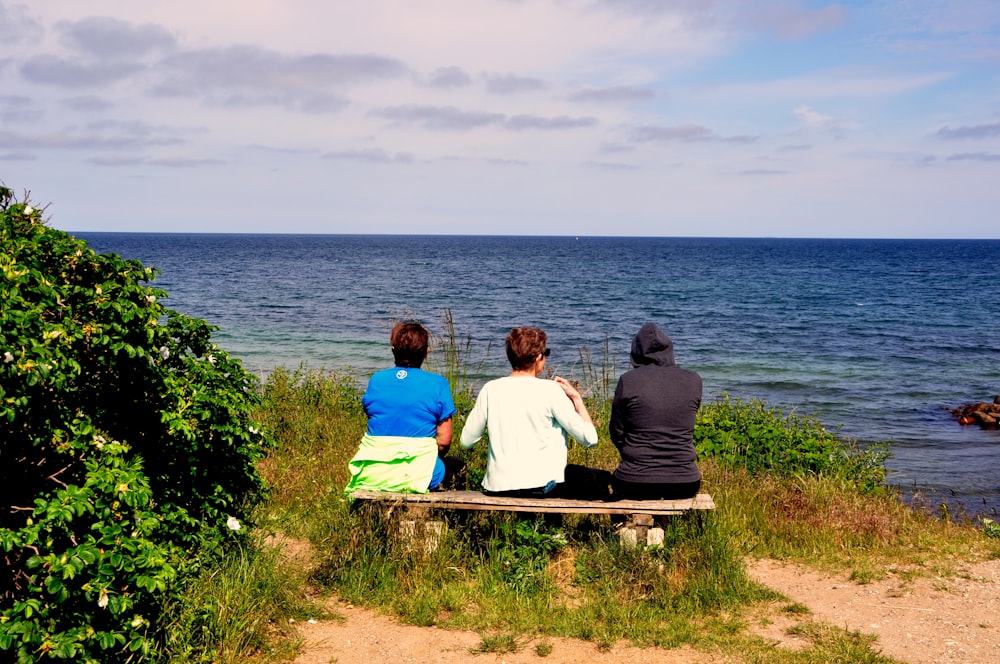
(409, 344)
(524, 344)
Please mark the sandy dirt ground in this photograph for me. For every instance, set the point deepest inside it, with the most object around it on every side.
(923, 621)
(920, 621)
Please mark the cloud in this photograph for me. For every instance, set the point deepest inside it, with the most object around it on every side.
(801, 147)
(615, 94)
(813, 119)
(244, 76)
(17, 156)
(449, 77)
(184, 162)
(509, 84)
(87, 103)
(306, 103)
(449, 118)
(17, 27)
(522, 122)
(973, 131)
(793, 22)
(975, 156)
(763, 171)
(370, 156)
(683, 133)
(919, 158)
(110, 135)
(53, 70)
(438, 118)
(109, 38)
(116, 161)
(15, 108)
(610, 166)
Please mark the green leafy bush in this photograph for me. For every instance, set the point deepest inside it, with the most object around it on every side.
(762, 439)
(128, 450)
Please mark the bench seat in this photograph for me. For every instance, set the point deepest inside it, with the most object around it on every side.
(476, 500)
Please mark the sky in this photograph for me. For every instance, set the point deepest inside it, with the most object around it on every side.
(732, 118)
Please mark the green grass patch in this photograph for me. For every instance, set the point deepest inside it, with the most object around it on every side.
(784, 487)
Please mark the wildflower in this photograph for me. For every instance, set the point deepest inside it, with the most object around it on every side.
(151, 299)
(102, 599)
(8, 357)
(254, 430)
(99, 441)
(28, 209)
(164, 352)
(212, 360)
(233, 523)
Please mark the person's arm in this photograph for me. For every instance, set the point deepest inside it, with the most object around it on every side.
(585, 432)
(616, 427)
(444, 430)
(475, 423)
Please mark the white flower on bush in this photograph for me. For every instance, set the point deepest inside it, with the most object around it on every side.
(212, 360)
(151, 299)
(164, 352)
(233, 523)
(28, 209)
(102, 599)
(99, 441)
(8, 357)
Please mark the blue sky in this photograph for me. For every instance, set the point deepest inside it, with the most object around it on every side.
(508, 117)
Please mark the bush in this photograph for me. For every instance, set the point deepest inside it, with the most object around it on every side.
(762, 439)
(128, 449)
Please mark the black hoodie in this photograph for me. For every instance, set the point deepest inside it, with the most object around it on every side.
(653, 413)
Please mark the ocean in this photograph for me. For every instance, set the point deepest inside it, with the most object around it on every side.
(875, 338)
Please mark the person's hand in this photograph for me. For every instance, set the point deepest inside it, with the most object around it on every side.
(568, 388)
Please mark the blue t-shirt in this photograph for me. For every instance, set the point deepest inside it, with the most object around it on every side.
(407, 402)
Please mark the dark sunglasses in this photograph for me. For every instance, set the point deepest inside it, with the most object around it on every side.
(547, 352)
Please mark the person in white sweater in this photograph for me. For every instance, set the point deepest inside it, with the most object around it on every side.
(528, 419)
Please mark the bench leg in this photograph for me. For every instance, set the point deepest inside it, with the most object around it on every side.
(640, 531)
(417, 533)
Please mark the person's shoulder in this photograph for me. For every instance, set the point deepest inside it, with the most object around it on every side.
(430, 376)
(383, 374)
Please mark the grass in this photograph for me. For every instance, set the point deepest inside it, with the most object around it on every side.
(784, 487)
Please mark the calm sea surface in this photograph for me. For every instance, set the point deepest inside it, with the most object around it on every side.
(874, 337)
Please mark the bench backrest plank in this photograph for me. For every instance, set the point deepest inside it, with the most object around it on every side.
(474, 500)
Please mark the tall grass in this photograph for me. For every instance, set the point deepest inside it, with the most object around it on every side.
(784, 487)
(239, 610)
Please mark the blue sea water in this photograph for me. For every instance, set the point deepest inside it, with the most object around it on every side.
(876, 338)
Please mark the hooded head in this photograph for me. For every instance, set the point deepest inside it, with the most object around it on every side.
(652, 346)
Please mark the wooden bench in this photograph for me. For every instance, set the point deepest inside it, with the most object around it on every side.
(638, 528)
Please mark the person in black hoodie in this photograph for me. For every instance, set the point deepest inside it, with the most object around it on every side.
(652, 422)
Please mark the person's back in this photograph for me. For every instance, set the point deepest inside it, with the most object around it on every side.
(528, 419)
(409, 422)
(652, 420)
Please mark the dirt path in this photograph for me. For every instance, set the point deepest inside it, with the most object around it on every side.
(955, 619)
(929, 620)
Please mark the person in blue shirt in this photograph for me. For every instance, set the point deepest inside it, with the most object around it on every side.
(409, 423)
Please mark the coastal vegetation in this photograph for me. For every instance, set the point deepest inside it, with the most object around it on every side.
(161, 498)
(129, 450)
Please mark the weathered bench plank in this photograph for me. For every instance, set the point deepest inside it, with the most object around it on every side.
(474, 500)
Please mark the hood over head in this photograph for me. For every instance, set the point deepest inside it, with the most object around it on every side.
(652, 346)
